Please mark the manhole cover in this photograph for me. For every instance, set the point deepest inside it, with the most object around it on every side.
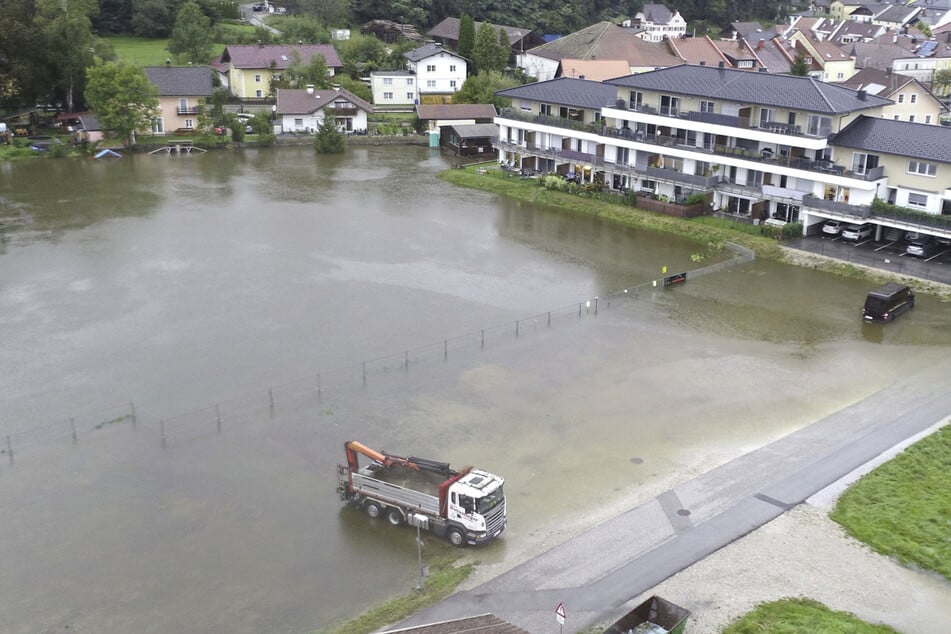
(683, 512)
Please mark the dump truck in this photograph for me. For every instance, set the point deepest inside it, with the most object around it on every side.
(465, 507)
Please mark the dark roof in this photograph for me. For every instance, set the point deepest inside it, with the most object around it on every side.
(180, 81)
(483, 624)
(566, 91)
(428, 50)
(261, 55)
(605, 40)
(301, 101)
(448, 29)
(781, 91)
(475, 130)
(449, 111)
(876, 81)
(901, 138)
(656, 13)
(89, 122)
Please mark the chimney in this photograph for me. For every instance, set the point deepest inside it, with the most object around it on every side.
(720, 65)
(703, 62)
(861, 94)
(310, 89)
(760, 45)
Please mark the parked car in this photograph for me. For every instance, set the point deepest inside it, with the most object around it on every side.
(887, 302)
(832, 227)
(858, 232)
(921, 247)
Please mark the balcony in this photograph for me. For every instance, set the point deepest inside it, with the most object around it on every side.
(557, 154)
(544, 119)
(187, 110)
(857, 212)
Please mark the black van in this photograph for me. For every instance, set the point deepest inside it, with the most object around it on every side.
(887, 302)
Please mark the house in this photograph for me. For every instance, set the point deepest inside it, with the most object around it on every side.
(439, 72)
(751, 32)
(897, 16)
(656, 23)
(911, 101)
(759, 145)
(436, 116)
(592, 69)
(520, 38)
(247, 70)
(90, 131)
(828, 62)
(302, 111)
(699, 50)
(181, 90)
(469, 139)
(603, 40)
(394, 89)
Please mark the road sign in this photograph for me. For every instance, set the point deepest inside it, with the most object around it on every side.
(560, 614)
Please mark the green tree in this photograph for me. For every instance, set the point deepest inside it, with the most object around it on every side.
(69, 41)
(485, 52)
(481, 88)
(799, 67)
(152, 18)
(505, 50)
(299, 74)
(941, 81)
(191, 39)
(329, 139)
(123, 98)
(466, 36)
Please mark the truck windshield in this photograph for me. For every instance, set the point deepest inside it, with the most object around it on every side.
(489, 502)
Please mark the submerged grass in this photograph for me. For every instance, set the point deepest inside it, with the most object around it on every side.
(443, 579)
(799, 616)
(903, 508)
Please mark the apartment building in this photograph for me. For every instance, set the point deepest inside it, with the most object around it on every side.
(761, 146)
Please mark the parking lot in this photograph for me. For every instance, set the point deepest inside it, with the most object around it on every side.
(888, 255)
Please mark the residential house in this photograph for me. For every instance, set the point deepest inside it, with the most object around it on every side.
(897, 16)
(394, 89)
(439, 72)
(520, 38)
(697, 50)
(656, 23)
(603, 40)
(828, 62)
(593, 69)
(302, 111)
(752, 32)
(181, 90)
(911, 101)
(436, 116)
(247, 70)
(740, 54)
(842, 10)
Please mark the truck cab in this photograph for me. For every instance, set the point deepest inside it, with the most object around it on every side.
(477, 503)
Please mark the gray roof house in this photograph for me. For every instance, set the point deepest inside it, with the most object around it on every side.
(181, 91)
(303, 110)
(565, 91)
(899, 138)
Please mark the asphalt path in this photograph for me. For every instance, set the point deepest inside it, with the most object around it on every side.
(595, 574)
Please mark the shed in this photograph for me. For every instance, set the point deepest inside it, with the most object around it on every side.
(473, 139)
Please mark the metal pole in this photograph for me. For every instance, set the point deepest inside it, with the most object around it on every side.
(483, 338)
(72, 425)
(218, 416)
(320, 388)
(364, 374)
(419, 553)
(162, 428)
(595, 306)
(406, 361)
(132, 413)
(516, 329)
(270, 396)
(10, 448)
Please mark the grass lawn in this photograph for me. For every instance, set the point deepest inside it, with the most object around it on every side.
(799, 616)
(903, 508)
(140, 51)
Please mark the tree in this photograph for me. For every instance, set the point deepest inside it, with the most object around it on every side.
(152, 18)
(466, 36)
(67, 32)
(485, 51)
(191, 39)
(329, 139)
(941, 81)
(122, 97)
(481, 88)
(799, 67)
(505, 50)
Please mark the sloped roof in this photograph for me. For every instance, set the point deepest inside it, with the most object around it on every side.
(299, 101)
(566, 91)
(448, 29)
(594, 69)
(475, 130)
(605, 40)
(898, 14)
(876, 81)
(450, 111)
(872, 54)
(89, 122)
(482, 624)
(753, 31)
(774, 56)
(428, 50)
(656, 13)
(180, 81)
(781, 91)
(252, 56)
(695, 50)
(900, 138)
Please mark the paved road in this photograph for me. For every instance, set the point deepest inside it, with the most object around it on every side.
(596, 573)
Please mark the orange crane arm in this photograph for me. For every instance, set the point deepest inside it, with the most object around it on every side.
(354, 447)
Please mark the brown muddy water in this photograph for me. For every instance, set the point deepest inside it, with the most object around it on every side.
(233, 279)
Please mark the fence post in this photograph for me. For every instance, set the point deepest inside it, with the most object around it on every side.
(320, 389)
(218, 416)
(132, 413)
(406, 361)
(595, 306)
(270, 397)
(483, 338)
(445, 349)
(162, 429)
(364, 374)
(549, 319)
(72, 425)
(10, 448)
(516, 329)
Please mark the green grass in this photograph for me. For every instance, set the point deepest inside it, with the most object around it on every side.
(140, 51)
(444, 578)
(903, 508)
(801, 616)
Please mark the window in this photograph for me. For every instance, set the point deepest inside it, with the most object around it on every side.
(257, 79)
(901, 97)
(765, 116)
(189, 123)
(927, 118)
(158, 126)
(669, 105)
(911, 118)
(917, 200)
(637, 100)
(707, 106)
(259, 93)
(840, 76)
(182, 104)
(387, 81)
(745, 63)
(430, 83)
(387, 95)
(920, 167)
(409, 81)
(913, 98)
(409, 96)
(862, 162)
(452, 83)
(452, 68)
(430, 68)
(819, 126)
(298, 123)
(545, 109)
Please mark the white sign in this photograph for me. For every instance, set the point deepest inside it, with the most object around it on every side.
(560, 614)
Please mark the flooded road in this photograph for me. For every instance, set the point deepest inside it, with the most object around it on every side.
(233, 279)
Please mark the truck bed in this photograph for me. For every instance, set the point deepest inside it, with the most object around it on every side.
(408, 488)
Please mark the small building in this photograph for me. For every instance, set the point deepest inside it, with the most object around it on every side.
(181, 90)
(474, 139)
(302, 111)
(247, 70)
(89, 129)
(440, 72)
(434, 116)
(394, 89)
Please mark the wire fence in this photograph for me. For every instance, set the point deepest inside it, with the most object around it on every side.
(935, 269)
(213, 419)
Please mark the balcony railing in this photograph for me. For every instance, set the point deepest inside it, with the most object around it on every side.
(840, 208)
(544, 119)
(187, 110)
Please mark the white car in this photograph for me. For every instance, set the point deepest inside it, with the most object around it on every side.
(832, 227)
(857, 233)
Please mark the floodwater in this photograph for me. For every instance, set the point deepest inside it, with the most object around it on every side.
(258, 308)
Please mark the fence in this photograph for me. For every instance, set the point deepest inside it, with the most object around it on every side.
(883, 260)
(213, 419)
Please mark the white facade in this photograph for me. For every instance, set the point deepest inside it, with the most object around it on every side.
(394, 88)
(308, 123)
(657, 31)
(541, 68)
(444, 72)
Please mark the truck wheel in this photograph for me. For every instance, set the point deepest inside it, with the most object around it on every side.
(373, 509)
(394, 517)
(456, 537)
